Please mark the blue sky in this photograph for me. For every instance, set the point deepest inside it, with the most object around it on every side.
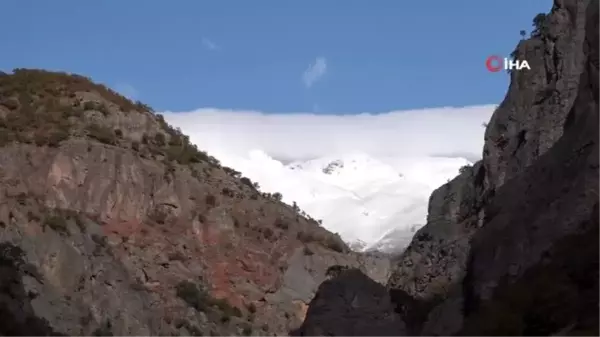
(376, 56)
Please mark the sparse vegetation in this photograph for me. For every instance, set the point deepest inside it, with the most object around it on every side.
(308, 251)
(177, 256)
(267, 233)
(540, 25)
(423, 236)
(282, 223)
(464, 169)
(199, 298)
(193, 295)
(34, 115)
(58, 223)
(335, 271)
(158, 215)
(228, 192)
(98, 106)
(211, 200)
(102, 134)
(104, 330)
(335, 243)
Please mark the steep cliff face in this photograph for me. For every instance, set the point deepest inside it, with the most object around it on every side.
(501, 253)
(527, 123)
(538, 250)
(536, 185)
(114, 223)
(530, 120)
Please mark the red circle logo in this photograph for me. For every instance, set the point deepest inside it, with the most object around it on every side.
(494, 63)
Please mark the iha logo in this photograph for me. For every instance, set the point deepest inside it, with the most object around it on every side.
(496, 63)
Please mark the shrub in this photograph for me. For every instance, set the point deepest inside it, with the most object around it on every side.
(228, 192)
(104, 330)
(335, 243)
(159, 215)
(211, 200)
(281, 223)
(540, 25)
(191, 294)
(89, 105)
(308, 251)
(247, 182)
(305, 237)
(268, 233)
(10, 103)
(464, 169)
(335, 271)
(52, 138)
(227, 309)
(102, 134)
(159, 139)
(277, 196)
(184, 154)
(57, 223)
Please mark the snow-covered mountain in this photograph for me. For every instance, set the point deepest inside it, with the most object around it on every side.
(373, 203)
(396, 240)
(367, 176)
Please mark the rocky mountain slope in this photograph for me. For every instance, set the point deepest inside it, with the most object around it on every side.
(511, 245)
(111, 222)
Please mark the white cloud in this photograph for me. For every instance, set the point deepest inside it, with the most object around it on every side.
(314, 72)
(127, 90)
(210, 45)
(391, 160)
(425, 132)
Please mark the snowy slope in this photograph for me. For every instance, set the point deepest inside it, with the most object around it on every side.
(367, 176)
(364, 199)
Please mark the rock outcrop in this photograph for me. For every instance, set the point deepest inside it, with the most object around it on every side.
(365, 309)
(111, 222)
(510, 245)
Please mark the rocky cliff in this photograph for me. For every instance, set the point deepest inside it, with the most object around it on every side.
(111, 222)
(511, 244)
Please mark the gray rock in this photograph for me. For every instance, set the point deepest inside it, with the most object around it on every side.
(535, 187)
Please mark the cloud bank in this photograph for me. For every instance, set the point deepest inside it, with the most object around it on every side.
(391, 161)
(314, 72)
(427, 132)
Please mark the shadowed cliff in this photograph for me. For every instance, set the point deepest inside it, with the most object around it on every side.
(511, 244)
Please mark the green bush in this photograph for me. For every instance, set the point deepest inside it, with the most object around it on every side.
(57, 223)
(335, 244)
(199, 299)
(192, 295)
(102, 134)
